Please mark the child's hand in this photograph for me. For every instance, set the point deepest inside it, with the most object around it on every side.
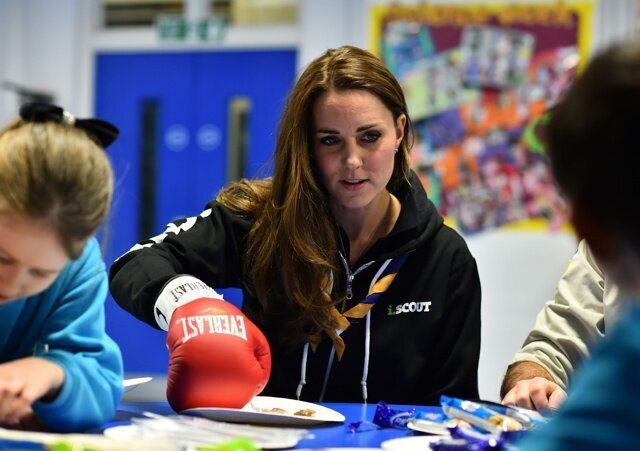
(23, 382)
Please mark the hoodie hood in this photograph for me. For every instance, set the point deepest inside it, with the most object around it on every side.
(418, 222)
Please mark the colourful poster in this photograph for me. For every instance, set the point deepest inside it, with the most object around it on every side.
(435, 84)
(477, 79)
(495, 57)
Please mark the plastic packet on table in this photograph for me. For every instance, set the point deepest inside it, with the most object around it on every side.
(430, 422)
(471, 439)
(530, 419)
(434, 423)
(46, 441)
(480, 416)
(204, 434)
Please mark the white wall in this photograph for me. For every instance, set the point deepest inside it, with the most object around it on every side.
(52, 45)
(328, 24)
(45, 51)
(11, 54)
(518, 271)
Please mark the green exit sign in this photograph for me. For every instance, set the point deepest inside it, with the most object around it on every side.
(172, 28)
(212, 29)
(179, 29)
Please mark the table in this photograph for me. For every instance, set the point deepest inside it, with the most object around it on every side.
(324, 435)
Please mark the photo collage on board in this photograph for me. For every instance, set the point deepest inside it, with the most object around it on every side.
(477, 107)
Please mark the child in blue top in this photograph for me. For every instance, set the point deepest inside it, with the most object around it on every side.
(594, 145)
(58, 368)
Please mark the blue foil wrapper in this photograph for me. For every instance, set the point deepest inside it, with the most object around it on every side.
(387, 417)
(361, 426)
(449, 444)
(473, 436)
(466, 444)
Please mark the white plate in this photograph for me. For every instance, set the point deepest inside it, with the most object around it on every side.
(257, 411)
(130, 384)
(417, 443)
(131, 432)
(428, 428)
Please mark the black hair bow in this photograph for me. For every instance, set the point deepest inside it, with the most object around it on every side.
(104, 132)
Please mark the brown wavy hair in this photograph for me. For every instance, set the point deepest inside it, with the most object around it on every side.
(55, 173)
(292, 244)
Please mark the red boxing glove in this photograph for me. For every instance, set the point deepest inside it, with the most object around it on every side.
(217, 356)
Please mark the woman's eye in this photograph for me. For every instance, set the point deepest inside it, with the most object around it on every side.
(370, 137)
(4, 260)
(328, 140)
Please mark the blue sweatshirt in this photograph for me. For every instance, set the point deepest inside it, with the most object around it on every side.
(65, 324)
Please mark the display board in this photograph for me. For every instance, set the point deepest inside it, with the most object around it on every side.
(477, 79)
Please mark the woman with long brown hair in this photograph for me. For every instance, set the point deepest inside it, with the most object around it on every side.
(341, 227)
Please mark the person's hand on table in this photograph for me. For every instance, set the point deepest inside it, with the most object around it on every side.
(536, 393)
(23, 382)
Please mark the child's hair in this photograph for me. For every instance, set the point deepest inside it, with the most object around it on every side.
(56, 173)
(594, 143)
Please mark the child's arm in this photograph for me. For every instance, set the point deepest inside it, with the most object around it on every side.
(74, 338)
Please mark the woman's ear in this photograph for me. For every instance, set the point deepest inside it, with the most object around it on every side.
(401, 121)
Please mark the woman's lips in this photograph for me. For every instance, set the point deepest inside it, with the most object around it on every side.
(353, 184)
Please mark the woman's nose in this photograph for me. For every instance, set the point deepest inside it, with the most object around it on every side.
(352, 155)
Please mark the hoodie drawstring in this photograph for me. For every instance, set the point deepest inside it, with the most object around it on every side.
(365, 366)
(367, 335)
(303, 371)
(367, 340)
(327, 373)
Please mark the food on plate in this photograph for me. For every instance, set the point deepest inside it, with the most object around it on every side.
(271, 410)
(305, 413)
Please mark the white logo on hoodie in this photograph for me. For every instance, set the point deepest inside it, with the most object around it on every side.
(409, 307)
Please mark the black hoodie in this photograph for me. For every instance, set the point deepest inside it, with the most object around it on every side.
(424, 332)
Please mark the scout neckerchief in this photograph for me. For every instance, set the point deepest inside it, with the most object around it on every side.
(380, 283)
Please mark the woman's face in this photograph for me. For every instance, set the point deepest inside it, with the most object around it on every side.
(354, 143)
(31, 257)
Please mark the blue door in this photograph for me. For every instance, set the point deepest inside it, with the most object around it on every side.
(174, 111)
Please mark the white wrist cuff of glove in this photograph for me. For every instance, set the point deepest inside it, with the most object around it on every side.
(177, 292)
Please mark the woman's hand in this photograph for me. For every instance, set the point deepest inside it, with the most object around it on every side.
(23, 382)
